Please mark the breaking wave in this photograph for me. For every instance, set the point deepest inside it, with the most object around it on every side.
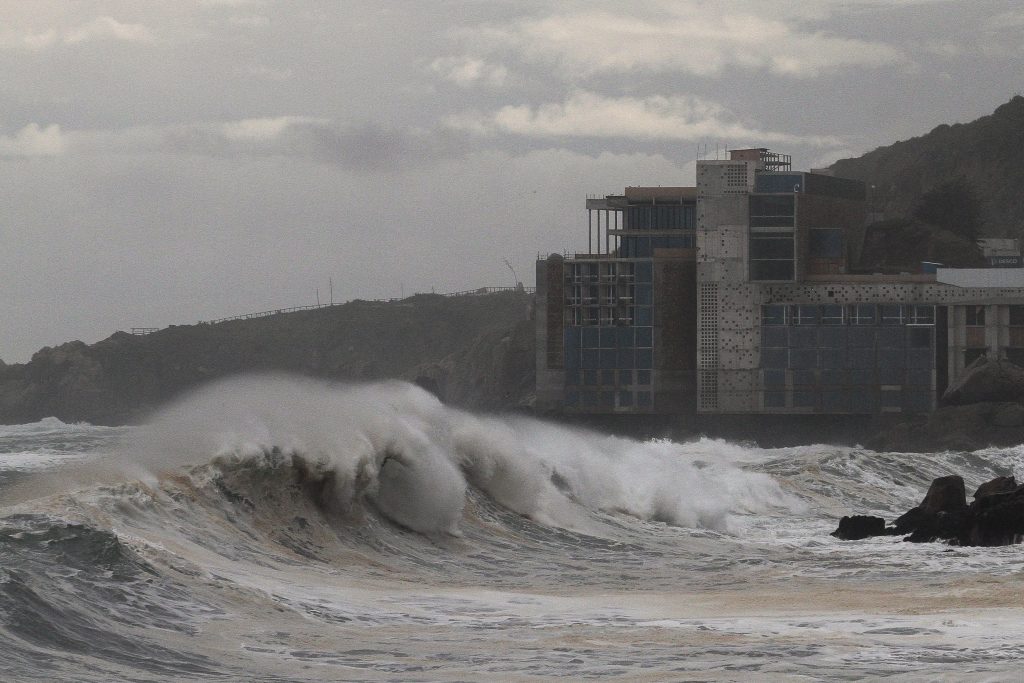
(269, 525)
(413, 459)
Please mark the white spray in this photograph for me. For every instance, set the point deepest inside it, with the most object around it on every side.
(411, 456)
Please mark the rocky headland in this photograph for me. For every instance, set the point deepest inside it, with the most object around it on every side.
(473, 351)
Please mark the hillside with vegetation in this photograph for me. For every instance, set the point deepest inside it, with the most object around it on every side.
(473, 351)
(935, 194)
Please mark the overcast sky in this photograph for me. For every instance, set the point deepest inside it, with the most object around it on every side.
(168, 162)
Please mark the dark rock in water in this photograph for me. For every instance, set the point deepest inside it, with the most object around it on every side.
(997, 485)
(860, 526)
(909, 520)
(943, 513)
(942, 526)
(986, 380)
(998, 518)
(946, 494)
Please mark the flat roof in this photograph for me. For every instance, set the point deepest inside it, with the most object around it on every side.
(981, 277)
(654, 194)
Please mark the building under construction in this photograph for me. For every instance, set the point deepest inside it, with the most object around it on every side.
(737, 296)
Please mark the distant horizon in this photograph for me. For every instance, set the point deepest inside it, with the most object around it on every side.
(183, 161)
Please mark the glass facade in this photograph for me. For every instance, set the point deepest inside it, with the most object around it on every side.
(660, 217)
(858, 358)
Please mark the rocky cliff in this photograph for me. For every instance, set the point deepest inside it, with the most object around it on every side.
(473, 351)
(932, 196)
(982, 160)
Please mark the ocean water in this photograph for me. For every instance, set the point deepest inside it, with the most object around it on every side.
(273, 529)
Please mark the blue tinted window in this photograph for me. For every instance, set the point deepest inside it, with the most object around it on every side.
(833, 377)
(919, 337)
(590, 378)
(590, 358)
(890, 337)
(826, 243)
(805, 399)
(778, 182)
(919, 378)
(861, 337)
(774, 314)
(863, 400)
(774, 358)
(591, 337)
(803, 358)
(643, 295)
(891, 399)
(644, 358)
(803, 315)
(887, 375)
(891, 314)
(643, 399)
(626, 358)
(625, 399)
(803, 337)
(644, 335)
(774, 378)
(920, 359)
(891, 358)
(804, 378)
(832, 358)
(861, 376)
(572, 398)
(572, 337)
(832, 314)
(917, 401)
(643, 316)
(860, 358)
(774, 337)
(774, 399)
(643, 377)
(861, 314)
(626, 376)
(832, 337)
(834, 401)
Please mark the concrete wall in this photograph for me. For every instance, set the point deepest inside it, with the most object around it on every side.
(549, 305)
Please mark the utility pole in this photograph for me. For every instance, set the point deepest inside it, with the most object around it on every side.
(318, 297)
(330, 283)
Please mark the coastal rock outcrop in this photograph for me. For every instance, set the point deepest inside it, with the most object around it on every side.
(994, 517)
(986, 381)
(856, 527)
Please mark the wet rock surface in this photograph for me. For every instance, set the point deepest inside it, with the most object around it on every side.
(994, 517)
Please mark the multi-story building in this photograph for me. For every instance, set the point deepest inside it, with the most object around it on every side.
(615, 329)
(764, 316)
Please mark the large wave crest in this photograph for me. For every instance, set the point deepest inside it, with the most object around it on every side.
(397, 448)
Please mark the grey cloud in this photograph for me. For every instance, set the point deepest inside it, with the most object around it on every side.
(364, 147)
